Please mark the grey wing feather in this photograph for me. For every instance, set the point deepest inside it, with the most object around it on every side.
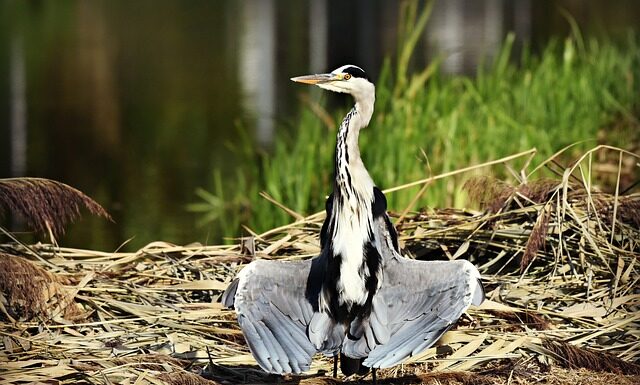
(229, 295)
(273, 313)
(417, 302)
(420, 300)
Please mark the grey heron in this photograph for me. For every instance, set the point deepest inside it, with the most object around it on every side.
(359, 297)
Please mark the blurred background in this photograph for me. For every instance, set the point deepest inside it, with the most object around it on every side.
(142, 105)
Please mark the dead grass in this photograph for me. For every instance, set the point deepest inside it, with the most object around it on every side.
(28, 291)
(46, 205)
(560, 265)
(574, 357)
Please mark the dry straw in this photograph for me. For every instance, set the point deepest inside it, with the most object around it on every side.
(559, 258)
(46, 205)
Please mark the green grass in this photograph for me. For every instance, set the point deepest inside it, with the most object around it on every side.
(426, 123)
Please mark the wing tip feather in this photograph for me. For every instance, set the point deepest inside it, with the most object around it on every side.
(229, 296)
(478, 293)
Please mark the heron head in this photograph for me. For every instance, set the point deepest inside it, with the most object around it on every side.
(348, 79)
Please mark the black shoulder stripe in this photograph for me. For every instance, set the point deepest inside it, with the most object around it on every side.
(379, 203)
(328, 206)
(380, 209)
(392, 233)
(315, 280)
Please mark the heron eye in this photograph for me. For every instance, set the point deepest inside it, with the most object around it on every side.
(347, 76)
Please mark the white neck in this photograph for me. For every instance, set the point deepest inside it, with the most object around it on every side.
(353, 199)
(350, 171)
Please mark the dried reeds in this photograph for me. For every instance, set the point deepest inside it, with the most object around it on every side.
(46, 205)
(28, 291)
(153, 317)
(576, 357)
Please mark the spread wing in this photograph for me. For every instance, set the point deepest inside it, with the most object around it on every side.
(417, 302)
(276, 314)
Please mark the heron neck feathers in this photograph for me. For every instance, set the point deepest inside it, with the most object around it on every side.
(352, 215)
(350, 173)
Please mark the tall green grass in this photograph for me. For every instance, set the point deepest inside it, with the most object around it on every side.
(426, 123)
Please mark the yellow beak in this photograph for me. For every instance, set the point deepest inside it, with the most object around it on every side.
(316, 79)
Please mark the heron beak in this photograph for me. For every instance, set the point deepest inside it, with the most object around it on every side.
(316, 79)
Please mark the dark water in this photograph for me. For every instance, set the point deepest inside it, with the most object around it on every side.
(135, 103)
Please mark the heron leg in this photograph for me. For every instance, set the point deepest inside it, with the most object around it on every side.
(335, 365)
(373, 376)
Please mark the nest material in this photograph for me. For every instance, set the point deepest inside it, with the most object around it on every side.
(573, 357)
(46, 205)
(28, 292)
(154, 317)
